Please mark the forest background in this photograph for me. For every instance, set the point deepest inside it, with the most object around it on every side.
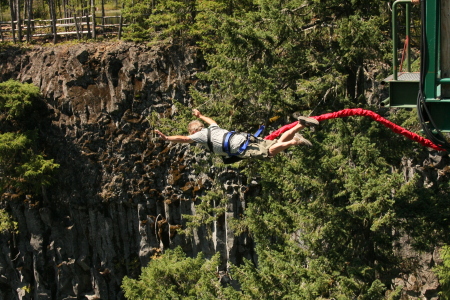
(329, 219)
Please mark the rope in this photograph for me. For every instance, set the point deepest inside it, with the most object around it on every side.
(204, 103)
(405, 48)
(367, 113)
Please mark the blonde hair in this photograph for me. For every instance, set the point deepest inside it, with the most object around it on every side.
(195, 126)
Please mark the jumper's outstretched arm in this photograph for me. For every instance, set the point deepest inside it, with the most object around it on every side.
(205, 119)
(174, 138)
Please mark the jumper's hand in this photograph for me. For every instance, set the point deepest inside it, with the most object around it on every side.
(162, 135)
(196, 113)
(205, 119)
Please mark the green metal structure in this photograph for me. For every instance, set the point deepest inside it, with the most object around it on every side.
(406, 88)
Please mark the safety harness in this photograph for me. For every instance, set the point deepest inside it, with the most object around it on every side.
(226, 141)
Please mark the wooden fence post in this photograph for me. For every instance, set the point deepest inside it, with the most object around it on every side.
(13, 17)
(119, 35)
(94, 23)
(120, 27)
(19, 21)
(75, 20)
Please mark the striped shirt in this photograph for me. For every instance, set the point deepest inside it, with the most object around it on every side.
(217, 134)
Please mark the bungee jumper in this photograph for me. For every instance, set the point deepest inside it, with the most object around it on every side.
(234, 146)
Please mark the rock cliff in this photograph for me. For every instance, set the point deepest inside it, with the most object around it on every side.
(120, 193)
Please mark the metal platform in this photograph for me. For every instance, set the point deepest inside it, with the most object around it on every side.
(403, 91)
(431, 80)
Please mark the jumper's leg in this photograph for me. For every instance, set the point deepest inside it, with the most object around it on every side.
(297, 139)
(289, 135)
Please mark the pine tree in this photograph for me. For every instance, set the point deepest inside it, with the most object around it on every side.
(327, 218)
(443, 272)
(175, 276)
(24, 169)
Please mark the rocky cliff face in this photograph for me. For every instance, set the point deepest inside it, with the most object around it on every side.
(121, 193)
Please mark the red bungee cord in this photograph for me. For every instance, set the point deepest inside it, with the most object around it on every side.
(367, 113)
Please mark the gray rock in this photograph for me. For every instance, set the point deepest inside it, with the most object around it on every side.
(121, 193)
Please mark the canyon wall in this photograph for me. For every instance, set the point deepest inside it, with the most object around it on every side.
(121, 193)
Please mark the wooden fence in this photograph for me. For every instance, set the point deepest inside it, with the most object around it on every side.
(75, 27)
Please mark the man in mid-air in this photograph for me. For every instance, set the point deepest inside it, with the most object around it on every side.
(226, 143)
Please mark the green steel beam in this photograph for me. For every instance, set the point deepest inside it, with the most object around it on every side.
(432, 24)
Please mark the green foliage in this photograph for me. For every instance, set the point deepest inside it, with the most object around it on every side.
(25, 170)
(23, 167)
(283, 57)
(177, 22)
(171, 19)
(173, 121)
(162, 21)
(334, 210)
(15, 97)
(358, 39)
(36, 172)
(209, 208)
(135, 14)
(175, 276)
(327, 218)
(443, 272)
(6, 222)
(10, 144)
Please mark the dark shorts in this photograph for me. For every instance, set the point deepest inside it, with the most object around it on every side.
(258, 149)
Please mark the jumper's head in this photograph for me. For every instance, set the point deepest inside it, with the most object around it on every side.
(195, 126)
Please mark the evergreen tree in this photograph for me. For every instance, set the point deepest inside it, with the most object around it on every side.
(136, 13)
(6, 222)
(23, 169)
(289, 55)
(175, 276)
(327, 218)
(443, 272)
